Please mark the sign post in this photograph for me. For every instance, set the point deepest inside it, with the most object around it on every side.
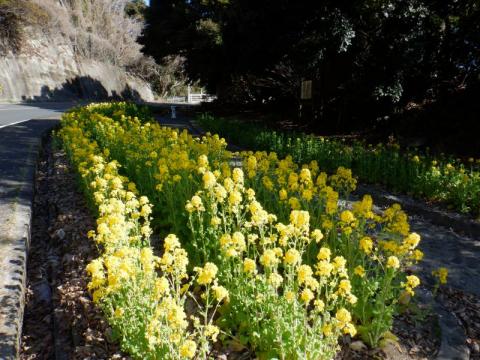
(306, 103)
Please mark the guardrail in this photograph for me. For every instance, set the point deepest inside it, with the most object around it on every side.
(191, 98)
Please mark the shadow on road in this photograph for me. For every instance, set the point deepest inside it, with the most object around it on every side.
(17, 144)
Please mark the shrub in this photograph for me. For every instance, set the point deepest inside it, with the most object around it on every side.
(292, 266)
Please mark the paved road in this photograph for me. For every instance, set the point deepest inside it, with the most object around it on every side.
(21, 129)
(16, 113)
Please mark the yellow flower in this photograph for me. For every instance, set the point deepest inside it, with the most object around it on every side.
(307, 296)
(352, 299)
(321, 181)
(339, 263)
(347, 216)
(366, 245)
(360, 271)
(417, 255)
(220, 193)
(195, 204)
(97, 295)
(238, 239)
(220, 292)
(344, 287)
(283, 194)
(225, 240)
(441, 274)
(250, 194)
(319, 305)
(289, 296)
(161, 287)
(343, 316)
(327, 224)
(413, 281)
(350, 330)
(312, 283)
(275, 280)
(324, 254)
(393, 262)
(237, 176)
(95, 267)
(307, 194)
(327, 330)
(206, 274)
(324, 268)
(234, 198)
(249, 266)
(212, 332)
(209, 180)
(305, 175)
(412, 240)
(304, 272)
(188, 349)
(145, 210)
(294, 203)
(269, 258)
(251, 163)
(316, 235)
(292, 257)
(176, 178)
(300, 219)
(203, 161)
(215, 221)
(118, 312)
(267, 183)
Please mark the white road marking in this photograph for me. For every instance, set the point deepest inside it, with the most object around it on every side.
(21, 121)
(14, 123)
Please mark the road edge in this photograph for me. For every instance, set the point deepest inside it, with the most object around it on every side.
(15, 232)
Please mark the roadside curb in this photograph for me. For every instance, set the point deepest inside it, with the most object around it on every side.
(19, 149)
(452, 336)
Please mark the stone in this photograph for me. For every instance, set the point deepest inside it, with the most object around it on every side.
(60, 234)
(357, 345)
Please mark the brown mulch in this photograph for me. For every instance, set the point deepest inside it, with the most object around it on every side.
(61, 321)
(417, 333)
(466, 308)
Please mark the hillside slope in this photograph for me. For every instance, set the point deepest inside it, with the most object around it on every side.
(46, 72)
(63, 56)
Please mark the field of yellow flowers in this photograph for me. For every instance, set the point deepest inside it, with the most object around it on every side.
(443, 178)
(256, 249)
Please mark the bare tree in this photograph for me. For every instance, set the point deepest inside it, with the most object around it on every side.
(97, 29)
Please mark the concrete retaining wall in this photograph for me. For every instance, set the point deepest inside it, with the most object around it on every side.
(49, 70)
